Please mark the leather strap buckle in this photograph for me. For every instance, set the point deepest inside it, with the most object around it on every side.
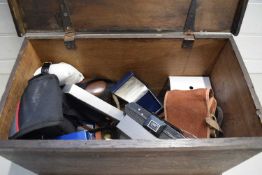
(45, 68)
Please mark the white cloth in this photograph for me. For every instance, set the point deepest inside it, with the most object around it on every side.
(66, 73)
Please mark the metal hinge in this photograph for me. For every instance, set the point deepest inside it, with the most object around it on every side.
(189, 27)
(69, 37)
(188, 41)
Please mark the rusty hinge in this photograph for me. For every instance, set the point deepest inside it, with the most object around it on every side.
(189, 27)
(69, 37)
(188, 41)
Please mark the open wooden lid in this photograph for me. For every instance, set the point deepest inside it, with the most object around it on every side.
(102, 16)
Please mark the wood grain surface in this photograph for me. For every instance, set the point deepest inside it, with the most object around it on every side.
(201, 156)
(112, 58)
(234, 97)
(125, 15)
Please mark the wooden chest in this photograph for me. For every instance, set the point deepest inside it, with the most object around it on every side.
(155, 39)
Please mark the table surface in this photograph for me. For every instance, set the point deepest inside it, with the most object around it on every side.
(249, 42)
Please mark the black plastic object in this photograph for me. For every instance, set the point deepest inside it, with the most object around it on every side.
(39, 114)
(79, 112)
(154, 125)
(160, 128)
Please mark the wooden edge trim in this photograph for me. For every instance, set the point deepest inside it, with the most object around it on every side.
(178, 35)
(254, 143)
(239, 15)
(250, 85)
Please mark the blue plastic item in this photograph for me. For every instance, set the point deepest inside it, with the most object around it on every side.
(80, 135)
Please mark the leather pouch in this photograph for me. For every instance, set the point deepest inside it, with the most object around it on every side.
(192, 111)
(39, 114)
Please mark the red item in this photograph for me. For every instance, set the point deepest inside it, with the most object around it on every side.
(17, 117)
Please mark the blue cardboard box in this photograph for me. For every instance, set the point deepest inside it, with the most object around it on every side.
(131, 89)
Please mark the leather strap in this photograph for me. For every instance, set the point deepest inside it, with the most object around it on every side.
(211, 121)
(45, 68)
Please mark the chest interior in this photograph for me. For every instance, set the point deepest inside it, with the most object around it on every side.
(153, 60)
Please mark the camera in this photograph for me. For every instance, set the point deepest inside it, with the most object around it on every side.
(159, 128)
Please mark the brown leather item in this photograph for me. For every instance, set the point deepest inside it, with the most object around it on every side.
(192, 111)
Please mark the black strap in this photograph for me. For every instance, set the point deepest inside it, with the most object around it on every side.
(190, 20)
(45, 68)
(189, 27)
(69, 38)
